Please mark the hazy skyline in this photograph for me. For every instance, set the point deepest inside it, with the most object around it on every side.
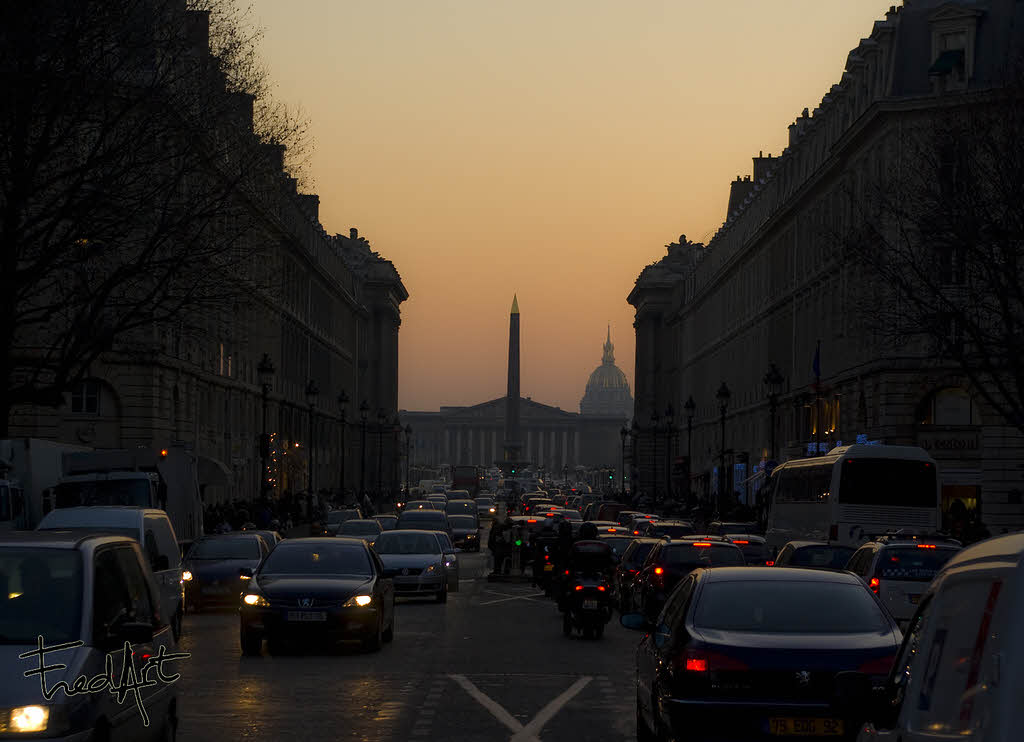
(543, 149)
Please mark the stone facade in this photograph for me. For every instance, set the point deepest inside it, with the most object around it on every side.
(331, 316)
(768, 288)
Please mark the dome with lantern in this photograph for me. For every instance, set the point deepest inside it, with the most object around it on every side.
(607, 392)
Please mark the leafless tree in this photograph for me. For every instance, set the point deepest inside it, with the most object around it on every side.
(938, 238)
(132, 180)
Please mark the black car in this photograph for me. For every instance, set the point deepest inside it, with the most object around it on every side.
(671, 561)
(668, 529)
(628, 567)
(752, 654)
(321, 589)
(211, 568)
(336, 517)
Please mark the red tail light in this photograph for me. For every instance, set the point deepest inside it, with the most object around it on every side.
(742, 542)
(875, 585)
(546, 558)
(632, 571)
(601, 588)
(659, 570)
(769, 564)
(833, 532)
(698, 660)
(926, 546)
(701, 544)
(579, 587)
(567, 571)
(878, 666)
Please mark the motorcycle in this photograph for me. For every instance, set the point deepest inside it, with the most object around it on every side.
(588, 605)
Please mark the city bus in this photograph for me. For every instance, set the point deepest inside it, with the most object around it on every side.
(853, 493)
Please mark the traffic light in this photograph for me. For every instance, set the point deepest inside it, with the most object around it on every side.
(513, 471)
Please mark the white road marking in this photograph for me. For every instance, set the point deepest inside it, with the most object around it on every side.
(506, 597)
(530, 732)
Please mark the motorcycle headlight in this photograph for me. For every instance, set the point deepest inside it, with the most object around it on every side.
(256, 600)
(358, 601)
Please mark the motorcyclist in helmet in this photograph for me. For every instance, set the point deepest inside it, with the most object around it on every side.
(588, 532)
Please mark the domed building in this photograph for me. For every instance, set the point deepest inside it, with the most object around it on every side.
(607, 393)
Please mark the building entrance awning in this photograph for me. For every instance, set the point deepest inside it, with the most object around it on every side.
(214, 472)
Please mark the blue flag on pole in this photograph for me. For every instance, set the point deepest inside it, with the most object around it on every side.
(817, 361)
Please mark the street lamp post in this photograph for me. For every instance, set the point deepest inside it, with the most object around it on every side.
(363, 410)
(691, 408)
(622, 460)
(773, 380)
(381, 419)
(670, 417)
(408, 457)
(654, 454)
(312, 391)
(723, 399)
(265, 370)
(342, 406)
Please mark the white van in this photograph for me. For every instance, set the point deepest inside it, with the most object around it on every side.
(960, 670)
(154, 532)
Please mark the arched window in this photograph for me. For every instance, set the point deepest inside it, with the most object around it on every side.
(949, 406)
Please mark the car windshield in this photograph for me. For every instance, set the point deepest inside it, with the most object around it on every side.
(462, 521)
(713, 555)
(485, 501)
(618, 543)
(226, 548)
(571, 515)
(913, 563)
(406, 543)
(126, 492)
(41, 594)
(422, 516)
(318, 559)
(460, 507)
(387, 524)
(788, 607)
(359, 528)
(826, 557)
(638, 553)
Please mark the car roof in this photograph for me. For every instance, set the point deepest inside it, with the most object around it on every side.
(1008, 548)
(323, 541)
(409, 530)
(103, 514)
(57, 538)
(747, 536)
(386, 515)
(802, 544)
(359, 520)
(778, 574)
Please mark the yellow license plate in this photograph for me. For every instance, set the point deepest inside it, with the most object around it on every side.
(798, 727)
(915, 599)
(549, 567)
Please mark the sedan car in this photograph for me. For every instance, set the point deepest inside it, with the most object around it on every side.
(387, 522)
(415, 562)
(465, 532)
(755, 549)
(667, 529)
(628, 567)
(669, 562)
(321, 590)
(273, 538)
(212, 568)
(367, 529)
(424, 520)
(753, 653)
(486, 507)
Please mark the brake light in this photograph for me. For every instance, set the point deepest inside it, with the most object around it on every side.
(546, 557)
(601, 588)
(631, 571)
(700, 543)
(696, 660)
(833, 532)
(579, 587)
(636, 533)
(875, 585)
(567, 571)
(531, 520)
(612, 530)
(741, 542)
(769, 564)
(878, 666)
(659, 570)
(926, 546)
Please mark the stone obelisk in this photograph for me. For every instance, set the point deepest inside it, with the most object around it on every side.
(513, 434)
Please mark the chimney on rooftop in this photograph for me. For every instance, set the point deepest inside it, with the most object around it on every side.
(762, 167)
(311, 205)
(738, 191)
(353, 233)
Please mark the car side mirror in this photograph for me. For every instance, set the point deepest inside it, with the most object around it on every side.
(161, 563)
(136, 632)
(635, 621)
(245, 572)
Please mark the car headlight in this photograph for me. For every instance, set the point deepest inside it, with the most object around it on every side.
(431, 568)
(29, 719)
(492, 510)
(358, 601)
(448, 562)
(186, 576)
(257, 600)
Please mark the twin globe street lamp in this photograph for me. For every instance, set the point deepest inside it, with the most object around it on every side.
(312, 392)
(265, 372)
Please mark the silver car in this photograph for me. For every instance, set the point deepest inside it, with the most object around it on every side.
(97, 594)
(415, 562)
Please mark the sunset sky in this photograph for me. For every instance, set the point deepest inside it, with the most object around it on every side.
(549, 148)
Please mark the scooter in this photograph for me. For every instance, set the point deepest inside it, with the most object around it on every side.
(588, 606)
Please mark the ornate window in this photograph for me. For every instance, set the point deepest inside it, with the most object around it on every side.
(85, 397)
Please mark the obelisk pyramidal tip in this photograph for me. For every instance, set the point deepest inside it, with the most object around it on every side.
(515, 304)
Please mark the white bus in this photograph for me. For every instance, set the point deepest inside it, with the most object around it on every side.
(852, 493)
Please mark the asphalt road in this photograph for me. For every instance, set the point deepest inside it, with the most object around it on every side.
(491, 664)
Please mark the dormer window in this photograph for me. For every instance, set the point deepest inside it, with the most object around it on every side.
(954, 31)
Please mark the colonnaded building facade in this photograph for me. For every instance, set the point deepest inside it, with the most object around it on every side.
(554, 439)
(325, 330)
(770, 291)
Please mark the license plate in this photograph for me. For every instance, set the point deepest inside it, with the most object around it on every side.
(797, 727)
(549, 567)
(915, 599)
(307, 615)
(589, 605)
